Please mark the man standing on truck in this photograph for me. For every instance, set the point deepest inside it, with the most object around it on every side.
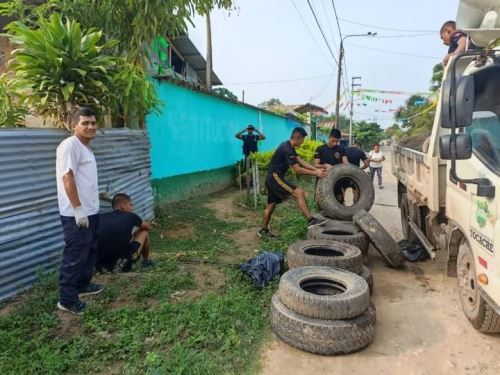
(279, 189)
(456, 40)
(376, 158)
(78, 199)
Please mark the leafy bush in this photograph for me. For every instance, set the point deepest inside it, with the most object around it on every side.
(11, 114)
(59, 66)
(305, 151)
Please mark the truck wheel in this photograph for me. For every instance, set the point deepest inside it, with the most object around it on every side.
(360, 181)
(325, 253)
(380, 238)
(326, 337)
(346, 232)
(324, 292)
(476, 309)
(331, 222)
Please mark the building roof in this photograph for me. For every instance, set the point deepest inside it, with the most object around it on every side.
(185, 47)
(309, 107)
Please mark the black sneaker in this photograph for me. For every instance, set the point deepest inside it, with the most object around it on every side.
(91, 289)
(147, 263)
(77, 308)
(315, 221)
(265, 233)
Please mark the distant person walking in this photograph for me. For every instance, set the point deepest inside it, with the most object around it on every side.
(78, 199)
(279, 189)
(376, 158)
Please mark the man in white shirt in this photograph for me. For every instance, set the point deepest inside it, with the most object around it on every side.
(376, 157)
(78, 198)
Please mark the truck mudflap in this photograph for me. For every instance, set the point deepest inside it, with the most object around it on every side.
(495, 307)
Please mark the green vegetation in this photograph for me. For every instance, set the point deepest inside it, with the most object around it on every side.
(91, 52)
(305, 151)
(192, 314)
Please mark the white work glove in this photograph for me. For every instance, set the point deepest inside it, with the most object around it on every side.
(82, 220)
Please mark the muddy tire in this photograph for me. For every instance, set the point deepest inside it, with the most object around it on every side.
(476, 309)
(367, 275)
(345, 232)
(380, 238)
(325, 337)
(325, 253)
(324, 292)
(326, 199)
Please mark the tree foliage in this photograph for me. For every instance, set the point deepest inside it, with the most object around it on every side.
(59, 66)
(367, 133)
(225, 93)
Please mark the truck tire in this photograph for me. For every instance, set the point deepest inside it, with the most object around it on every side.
(367, 275)
(325, 253)
(380, 238)
(346, 232)
(325, 337)
(324, 292)
(328, 202)
(321, 216)
(476, 309)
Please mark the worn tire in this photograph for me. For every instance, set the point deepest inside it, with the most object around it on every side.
(345, 232)
(324, 292)
(367, 275)
(380, 238)
(476, 309)
(326, 337)
(328, 202)
(321, 216)
(325, 253)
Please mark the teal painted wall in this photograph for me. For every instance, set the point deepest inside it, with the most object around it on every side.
(195, 132)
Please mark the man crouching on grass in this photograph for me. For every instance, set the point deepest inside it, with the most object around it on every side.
(117, 239)
(279, 189)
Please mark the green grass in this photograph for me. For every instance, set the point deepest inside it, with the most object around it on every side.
(135, 327)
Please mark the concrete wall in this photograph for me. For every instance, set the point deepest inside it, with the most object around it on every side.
(192, 142)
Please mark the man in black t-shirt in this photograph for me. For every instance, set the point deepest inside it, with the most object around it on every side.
(117, 239)
(355, 155)
(331, 153)
(456, 40)
(250, 139)
(279, 189)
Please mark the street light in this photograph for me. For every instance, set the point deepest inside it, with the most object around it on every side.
(353, 85)
(339, 73)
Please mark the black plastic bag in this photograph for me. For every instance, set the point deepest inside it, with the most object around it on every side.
(263, 268)
(413, 251)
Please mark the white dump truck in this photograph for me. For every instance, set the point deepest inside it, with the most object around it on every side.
(449, 194)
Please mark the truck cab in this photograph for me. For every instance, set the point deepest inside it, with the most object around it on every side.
(449, 195)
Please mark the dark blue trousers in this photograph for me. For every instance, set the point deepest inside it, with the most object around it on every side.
(79, 257)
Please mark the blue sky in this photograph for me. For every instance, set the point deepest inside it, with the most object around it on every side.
(266, 40)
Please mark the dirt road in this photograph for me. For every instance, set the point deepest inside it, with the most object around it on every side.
(420, 326)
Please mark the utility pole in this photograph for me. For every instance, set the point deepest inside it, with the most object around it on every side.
(353, 85)
(339, 73)
(209, 54)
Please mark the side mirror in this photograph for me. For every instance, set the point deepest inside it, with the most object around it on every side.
(464, 102)
(463, 147)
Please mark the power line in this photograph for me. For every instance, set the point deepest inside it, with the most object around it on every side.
(395, 52)
(407, 35)
(277, 81)
(387, 28)
(329, 23)
(337, 18)
(310, 33)
(322, 33)
(325, 86)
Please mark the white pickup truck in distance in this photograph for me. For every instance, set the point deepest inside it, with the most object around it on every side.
(449, 195)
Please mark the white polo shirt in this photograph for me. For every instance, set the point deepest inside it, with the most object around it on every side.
(74, 155)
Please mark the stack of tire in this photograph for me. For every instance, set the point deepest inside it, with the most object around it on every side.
(323, 302)
(352, 224)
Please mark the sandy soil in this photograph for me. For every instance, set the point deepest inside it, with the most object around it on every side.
(420, 326)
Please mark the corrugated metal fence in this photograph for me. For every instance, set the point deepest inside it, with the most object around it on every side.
(31, 238)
